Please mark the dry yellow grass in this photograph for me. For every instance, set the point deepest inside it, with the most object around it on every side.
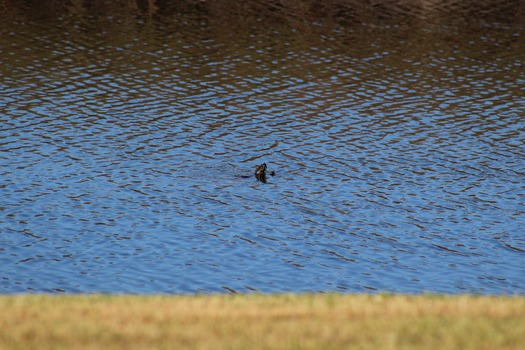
(318, 321)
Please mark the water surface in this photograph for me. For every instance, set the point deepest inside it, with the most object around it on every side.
(398, 147)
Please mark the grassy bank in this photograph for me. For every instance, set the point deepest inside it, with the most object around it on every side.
(258, 322)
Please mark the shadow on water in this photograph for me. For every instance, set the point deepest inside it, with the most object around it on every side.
(292, 11)
(130, 133)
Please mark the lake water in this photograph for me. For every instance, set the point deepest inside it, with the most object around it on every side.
(398, 147)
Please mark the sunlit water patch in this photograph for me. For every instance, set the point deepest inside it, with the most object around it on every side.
(127, 159)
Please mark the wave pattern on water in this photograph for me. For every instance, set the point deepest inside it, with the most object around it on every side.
(399, 164)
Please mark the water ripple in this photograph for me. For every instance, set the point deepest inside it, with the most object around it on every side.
(127, 164)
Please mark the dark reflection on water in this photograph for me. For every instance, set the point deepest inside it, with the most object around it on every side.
(398, 146)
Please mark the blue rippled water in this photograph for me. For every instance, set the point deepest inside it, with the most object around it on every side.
(398, 150)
